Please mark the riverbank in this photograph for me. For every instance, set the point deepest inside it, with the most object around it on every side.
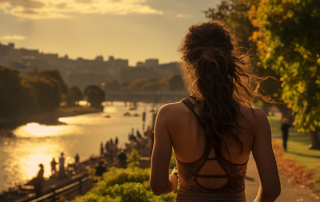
(48, 118)
(78, 178)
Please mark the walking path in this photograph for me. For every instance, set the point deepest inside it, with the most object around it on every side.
(289, 192)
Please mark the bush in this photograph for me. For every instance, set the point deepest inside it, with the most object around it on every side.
(125, 185)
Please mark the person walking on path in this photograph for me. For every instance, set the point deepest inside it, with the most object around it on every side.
(101, 168)
(285, 132)
(116, 142)
(38, 181)
(61, 167)
(77, 159)
(139, 134)
(53, 166)
(214, 129)
(122, 159)
(107, 147)
(101, 149)
(111, 148)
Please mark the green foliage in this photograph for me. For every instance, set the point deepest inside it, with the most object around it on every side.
(11, 91)
(173, 162)
(112, 86)
(95, 95)
(176, 83)
(150, 86)
(287, 40)
(39, 92)
(147, 85)
(73, 96)
(137, 84)
(133, 158)
(125, 185)
(21, 95)
(236, 14)
(92, 173)
(48, 93)
(55, 75)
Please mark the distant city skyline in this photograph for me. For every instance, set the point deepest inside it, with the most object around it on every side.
(130, 29)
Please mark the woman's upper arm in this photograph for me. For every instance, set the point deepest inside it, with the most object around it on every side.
(263, 155)
(161, 155)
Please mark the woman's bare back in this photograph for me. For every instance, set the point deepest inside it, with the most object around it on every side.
(189, 142)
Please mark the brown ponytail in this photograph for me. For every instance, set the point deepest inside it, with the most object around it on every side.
(220, 76)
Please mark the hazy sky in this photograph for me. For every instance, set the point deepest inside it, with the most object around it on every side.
(128, 29)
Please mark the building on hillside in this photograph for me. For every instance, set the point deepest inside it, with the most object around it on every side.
(131, 74)
(169, 69)
(152, 63)
(83, 79)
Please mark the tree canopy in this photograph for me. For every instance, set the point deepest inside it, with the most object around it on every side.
(235, 13)
(176, 83)
(95, 95)
(287, 41)
(39, 92)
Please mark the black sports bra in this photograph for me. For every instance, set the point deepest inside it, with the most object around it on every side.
(188, 172)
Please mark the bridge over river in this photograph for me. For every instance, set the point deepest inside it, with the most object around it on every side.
(154, 97)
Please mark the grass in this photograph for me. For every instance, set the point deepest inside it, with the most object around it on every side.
(297, 150)
(275, 125)
(76, 110)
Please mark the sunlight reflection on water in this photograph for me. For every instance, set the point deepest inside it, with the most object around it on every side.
(35, 143)
(35, 129)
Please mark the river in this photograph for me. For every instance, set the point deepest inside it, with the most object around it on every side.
(33, 143)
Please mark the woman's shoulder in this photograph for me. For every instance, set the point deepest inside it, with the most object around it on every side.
(172, 110)
(252, 111)
(254, 115)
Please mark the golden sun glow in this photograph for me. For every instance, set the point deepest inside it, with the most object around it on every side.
(35, 129)
(31, 164)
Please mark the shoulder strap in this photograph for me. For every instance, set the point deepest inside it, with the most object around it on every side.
(189, 104)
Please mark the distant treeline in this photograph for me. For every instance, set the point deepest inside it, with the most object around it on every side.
(39, 92)
(174, 83)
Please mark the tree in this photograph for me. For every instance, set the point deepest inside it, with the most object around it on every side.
(55, 74)
(73, 96)
(150, 86)
(176, 83)
(47, 93)
(287, 41)
(11, 92)
(112, 86)
(236, 14)
(95, 95)
(137, 84)
(164, 84)
(78, 95)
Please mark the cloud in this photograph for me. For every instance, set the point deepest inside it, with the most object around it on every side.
(13, 37)
(184, 15)
(40, 9)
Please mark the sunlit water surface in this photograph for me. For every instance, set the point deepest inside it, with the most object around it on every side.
(34, 144)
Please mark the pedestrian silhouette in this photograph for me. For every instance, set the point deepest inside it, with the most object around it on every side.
(122, 159)
(101, 168)
(285, 132)
(53, 166)
(38, 181)
(138, 134)
(101, 149)
(77, 158)
(61, 167)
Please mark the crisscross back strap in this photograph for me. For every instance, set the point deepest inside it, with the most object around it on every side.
(190, 105)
